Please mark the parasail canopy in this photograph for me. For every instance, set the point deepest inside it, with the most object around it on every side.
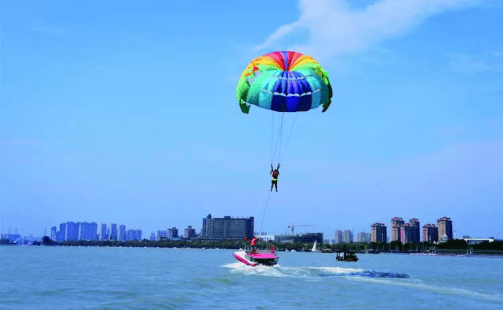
(284, 82)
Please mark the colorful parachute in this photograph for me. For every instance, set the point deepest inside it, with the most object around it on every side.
(284, 82)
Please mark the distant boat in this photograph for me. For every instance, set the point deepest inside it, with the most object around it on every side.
(346, 256)
(314, 249)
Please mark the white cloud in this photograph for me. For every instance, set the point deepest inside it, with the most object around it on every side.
(468, 64)
(333, 27)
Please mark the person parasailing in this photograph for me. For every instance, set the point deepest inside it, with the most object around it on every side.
(274, 177)
(283, 82)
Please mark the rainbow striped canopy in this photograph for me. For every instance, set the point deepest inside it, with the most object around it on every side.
(284, 82)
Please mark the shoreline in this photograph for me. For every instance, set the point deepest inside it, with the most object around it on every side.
(236, 245)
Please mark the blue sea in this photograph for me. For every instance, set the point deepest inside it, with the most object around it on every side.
(37, 277)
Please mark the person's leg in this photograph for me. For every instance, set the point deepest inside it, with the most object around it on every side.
(272, 185)
(276, 186)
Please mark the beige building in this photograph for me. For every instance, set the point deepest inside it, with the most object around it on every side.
(396, 228)
(445, 229)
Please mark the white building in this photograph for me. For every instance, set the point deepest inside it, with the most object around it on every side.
(266, 238)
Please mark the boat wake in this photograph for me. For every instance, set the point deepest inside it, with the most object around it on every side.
(303, 272)
(354, 274)
(294, 272)
(372, 274)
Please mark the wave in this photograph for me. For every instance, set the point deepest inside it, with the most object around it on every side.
(437, 289)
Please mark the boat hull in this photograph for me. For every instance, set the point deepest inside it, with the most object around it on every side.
(347, 260)
(255, 260)
(241, 256)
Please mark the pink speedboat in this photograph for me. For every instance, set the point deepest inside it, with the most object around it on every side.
(253, 257)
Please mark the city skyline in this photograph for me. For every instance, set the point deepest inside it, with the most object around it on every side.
(418, 233)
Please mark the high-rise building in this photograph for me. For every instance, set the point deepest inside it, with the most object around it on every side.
(103, 232)
(173, 233)
(445, 229)
(87, 231)
(416, 229)
(406, 233)
(153, 237)
(113, 232)
(54, 233)
(347, 236)
(61, 235)
(122, 233)
(364, 237)
(338, 236)
(93, 231)
(133, 234)
(430, 233)
(227, 227)
(189, 232)
(161, 235)
(72, 231)
(378, 233)
(396, 228)
(83, 230)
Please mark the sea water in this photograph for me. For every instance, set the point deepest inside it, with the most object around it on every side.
(38, 277)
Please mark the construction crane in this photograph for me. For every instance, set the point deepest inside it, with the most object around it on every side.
(294, 225)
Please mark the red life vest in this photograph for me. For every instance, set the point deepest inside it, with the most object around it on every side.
(253, 242)
(275, 173)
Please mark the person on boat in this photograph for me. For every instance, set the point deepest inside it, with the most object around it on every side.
(252, 244)
(274, 177)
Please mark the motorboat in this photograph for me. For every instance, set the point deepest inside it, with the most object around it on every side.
(253, 257)
(348, 256)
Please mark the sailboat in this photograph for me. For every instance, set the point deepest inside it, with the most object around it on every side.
(314, 249)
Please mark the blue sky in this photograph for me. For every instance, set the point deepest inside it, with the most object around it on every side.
(125, 112)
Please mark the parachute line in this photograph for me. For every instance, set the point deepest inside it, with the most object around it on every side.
(278, 141)
(288, 139)
(280, 137)
(264, 212)
(272, 139)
